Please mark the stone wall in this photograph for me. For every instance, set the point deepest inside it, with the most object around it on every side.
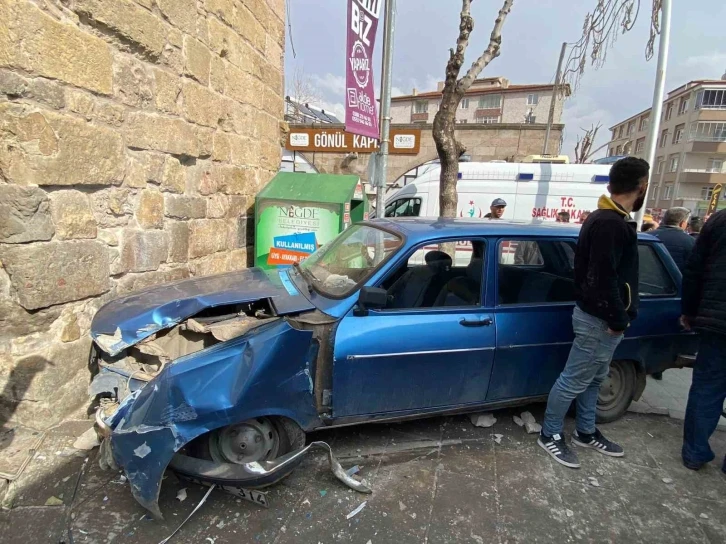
(133, 138)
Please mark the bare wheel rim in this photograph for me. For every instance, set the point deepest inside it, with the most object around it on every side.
(246, 442)
(612, 389)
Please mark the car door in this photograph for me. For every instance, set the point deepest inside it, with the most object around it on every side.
(535, 297)
(418, 359)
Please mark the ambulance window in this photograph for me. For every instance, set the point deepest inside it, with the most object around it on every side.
(404, 207)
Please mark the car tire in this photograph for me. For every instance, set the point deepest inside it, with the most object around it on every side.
(617, 391)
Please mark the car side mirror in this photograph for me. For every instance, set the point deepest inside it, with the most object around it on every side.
(368, 298)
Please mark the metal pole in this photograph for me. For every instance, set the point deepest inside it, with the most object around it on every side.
(657, 108)
(386, 82)
(555, 90)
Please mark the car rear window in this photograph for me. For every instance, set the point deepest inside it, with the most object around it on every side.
(654, 277)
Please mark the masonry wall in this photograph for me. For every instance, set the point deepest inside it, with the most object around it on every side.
(133, 138)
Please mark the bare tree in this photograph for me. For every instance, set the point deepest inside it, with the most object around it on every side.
(583, 148)
(300, 91)
(600, 31)
(448, 147)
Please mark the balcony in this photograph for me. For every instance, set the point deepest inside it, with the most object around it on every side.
(487, 112)
(420, 117)
(704, 176)
(706, 145)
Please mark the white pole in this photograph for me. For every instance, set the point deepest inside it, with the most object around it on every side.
(386, 82)
(555, 92)
(657, 109)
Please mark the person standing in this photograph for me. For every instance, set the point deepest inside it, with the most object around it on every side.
(563, 217)
(704, 310)
(496, 210)
(606, 286)
(583, 217)
(695, 226)
(672, 232)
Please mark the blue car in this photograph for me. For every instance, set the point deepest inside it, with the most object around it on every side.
(219, 378)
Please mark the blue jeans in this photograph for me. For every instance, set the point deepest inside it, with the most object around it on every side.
(705, 400)
(586, 368)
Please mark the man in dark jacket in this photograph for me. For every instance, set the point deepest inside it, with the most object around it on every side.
(704, 309)
(606, 284)
(672, 232)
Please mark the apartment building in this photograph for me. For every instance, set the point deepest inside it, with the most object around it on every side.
(691, 148)
(489, 101)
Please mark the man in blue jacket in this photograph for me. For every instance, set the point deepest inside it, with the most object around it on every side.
(672, 232)
(606, 287)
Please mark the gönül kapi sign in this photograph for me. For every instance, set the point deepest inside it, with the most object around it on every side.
(332, 140)
(361, 116)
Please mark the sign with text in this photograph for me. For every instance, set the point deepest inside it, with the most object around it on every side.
(361, 116)
(715, 195)
(331, 140)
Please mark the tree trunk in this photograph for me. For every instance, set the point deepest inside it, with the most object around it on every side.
(448, 150)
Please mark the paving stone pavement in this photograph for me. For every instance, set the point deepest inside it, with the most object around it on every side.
(439, 480)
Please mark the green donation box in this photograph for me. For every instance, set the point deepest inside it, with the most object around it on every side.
(297, 213)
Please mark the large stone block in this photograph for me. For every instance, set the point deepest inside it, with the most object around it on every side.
(218, 206)
(181, 13)
(185, 207)
(261, 11)
(43, 90)
(143, 251)
(216, 74)
(243, 87)
(210, 265)
(17, 321)
(226, 43)
(197, 60)
(112, 207)
(149, 131)
(233, 180)
(71, 212)
(201, 105)
(135, 282)
(24, 215)
(174, 179)
(128, 20)
(207, 236)
(39, 43)
(150, 209)
(133, 84)
(51, 273)
(250, 28)
(168, 91)
(178, 242)
(53, 149)
(110, 113)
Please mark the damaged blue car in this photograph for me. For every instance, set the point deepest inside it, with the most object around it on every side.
(220, 378)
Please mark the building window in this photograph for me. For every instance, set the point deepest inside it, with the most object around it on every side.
(490, 102)
(462, 121)
(644, 122)
(619, 150)
(631, 127)
(640, 145)
(715, 165)
(490, 120)
(464, 103)
(673, 163)
(707, 132)
(421, 106)
(668, 192)
(678, 134)
(712, 100)
(627, 148)
(661, 162)
(620, 132)
(664, 138)
(706, 192)
(669, 111)
(683, 107)
(532, 99)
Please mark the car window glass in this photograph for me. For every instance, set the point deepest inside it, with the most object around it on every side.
(406, 207)
(536, 271)
(438, 275)
(654, 279)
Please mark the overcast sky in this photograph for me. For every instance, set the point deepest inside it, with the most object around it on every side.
(532, 37)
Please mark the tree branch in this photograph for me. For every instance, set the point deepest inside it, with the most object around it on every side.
(491, 52)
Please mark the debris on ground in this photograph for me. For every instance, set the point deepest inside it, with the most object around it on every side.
(87, 441)
(704, 516)
(53, 501)
(197, 507)
(498, 438)
(482, 420)
(181, 495)
(530, 424)
(518, 421)
(667, 480)
(569, 513)
(353, 470)
(401, 506)
(593, 481)
(323, 492)
(357, 510)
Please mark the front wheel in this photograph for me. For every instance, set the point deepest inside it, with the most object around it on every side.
(616, 392)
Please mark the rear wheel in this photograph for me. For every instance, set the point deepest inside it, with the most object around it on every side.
(616, 392)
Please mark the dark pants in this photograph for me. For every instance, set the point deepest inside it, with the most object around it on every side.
(705, 400)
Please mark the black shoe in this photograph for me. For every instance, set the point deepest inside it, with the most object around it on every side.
(559, 450)
(657, 376)
(694, 466)
(598, 442)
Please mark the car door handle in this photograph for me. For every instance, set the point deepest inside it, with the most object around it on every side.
(476, 323)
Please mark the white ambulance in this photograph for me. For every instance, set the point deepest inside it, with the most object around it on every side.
(532, 191)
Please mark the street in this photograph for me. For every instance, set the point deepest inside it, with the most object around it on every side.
(435, 480)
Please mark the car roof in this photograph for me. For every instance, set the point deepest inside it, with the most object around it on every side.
(422, 228)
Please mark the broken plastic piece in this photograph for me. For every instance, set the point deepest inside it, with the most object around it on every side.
(498, 438)
(181, 495)
(353, 470)
(355, 512)
(482, 420)
(197, 507)
(530, 424)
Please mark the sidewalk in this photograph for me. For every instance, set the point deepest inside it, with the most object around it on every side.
(439, 480)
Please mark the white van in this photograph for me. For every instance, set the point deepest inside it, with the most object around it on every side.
(532, 191)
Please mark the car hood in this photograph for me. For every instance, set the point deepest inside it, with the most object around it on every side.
(128, 320)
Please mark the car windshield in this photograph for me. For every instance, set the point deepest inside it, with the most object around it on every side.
(349, 260)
